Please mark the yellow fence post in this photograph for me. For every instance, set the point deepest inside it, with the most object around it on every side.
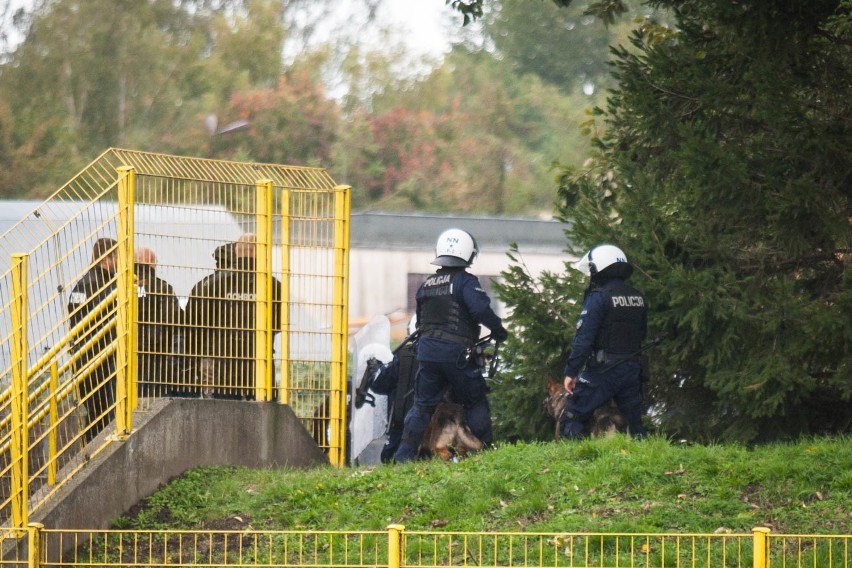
(20, 419)
(34, 552)
(263, 289)
(395, 533)
(54, 421)
(125, 355)
(284, 381)
(340, 325)
(760, 537)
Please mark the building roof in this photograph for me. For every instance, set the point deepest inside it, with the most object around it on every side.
(369, 229)
(417, 231)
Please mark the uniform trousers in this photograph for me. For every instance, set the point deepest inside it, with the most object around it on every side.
(594, 389)
(433, 380)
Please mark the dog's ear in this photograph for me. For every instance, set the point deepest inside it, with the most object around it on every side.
(553, 386)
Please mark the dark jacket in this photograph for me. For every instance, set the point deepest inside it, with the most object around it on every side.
(396, 380)
(160, 320)
(220, 315)
(598, 327)
(87, 294)
(473, 306)
(221, 311)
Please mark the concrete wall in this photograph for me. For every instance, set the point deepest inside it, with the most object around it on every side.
(171, 437)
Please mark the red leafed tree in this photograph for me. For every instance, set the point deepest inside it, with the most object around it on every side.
(293, 123)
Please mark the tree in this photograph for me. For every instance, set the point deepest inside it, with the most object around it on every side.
(724, 172)
(471, 136)
(294, 123)
(562, 46)
(533, 351)
(89, 75)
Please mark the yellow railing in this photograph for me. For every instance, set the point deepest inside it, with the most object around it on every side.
(66, 373)
(395, 547)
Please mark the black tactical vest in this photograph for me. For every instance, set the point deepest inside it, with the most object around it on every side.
(403, 395)
(623, 328)
(441, 316)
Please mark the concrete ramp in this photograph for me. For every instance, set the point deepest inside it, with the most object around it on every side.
(174, 435)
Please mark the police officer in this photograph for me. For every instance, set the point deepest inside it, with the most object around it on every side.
(226, 307)
(96, 386)
(159, 336)
(610, 331)
(396, 381)
(451, 306)
(239, 292)
(204, 329)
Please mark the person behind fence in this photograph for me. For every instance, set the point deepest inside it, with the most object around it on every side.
(396, 381)
(240, 294)
(604, 362)
(203, 329)
(451, 306)
(226, 308)
(94, 371)
(159, 335)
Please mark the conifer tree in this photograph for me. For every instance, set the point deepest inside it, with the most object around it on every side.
(724, 173)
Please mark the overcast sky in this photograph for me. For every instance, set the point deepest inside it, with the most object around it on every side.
(422, 24)
(420, 21)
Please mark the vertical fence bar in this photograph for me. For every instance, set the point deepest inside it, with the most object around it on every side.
(263, 305)
(344, 312)
(284, 386)
(133, 315)
(340, 325)
(760, 539)
(395, 533)
(34, 550)
(20, 434)
(125, 355)
(54, 423)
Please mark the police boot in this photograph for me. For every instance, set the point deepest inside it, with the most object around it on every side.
(406, 451)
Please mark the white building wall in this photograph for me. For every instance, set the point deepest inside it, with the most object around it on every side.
(378, 279)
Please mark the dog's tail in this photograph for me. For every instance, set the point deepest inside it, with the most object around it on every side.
(466, 439)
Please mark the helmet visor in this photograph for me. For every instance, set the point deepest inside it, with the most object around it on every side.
(583, 265)
(450, 261)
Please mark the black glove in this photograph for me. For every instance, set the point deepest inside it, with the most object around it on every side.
(362, 395)
(500, 335)
(373, 365)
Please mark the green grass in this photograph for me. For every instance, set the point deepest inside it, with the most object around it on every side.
(609, 485)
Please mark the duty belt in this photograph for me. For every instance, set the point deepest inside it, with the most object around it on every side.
(441, 334)
(601, 357)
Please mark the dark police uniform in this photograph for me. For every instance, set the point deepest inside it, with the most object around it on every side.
(221, 310)
(203, 325)
(97, 389)
(159, 335)
(611, 328)
(451, 305)
(396, 381)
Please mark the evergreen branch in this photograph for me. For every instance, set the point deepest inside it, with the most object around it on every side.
(780, 264)
(834, 39)
(525, 269)
(671, 93)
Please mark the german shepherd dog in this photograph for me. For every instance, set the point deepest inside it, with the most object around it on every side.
(448, 434)
(606, 421)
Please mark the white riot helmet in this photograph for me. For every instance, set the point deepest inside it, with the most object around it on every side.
(604, 257)
(455, 247)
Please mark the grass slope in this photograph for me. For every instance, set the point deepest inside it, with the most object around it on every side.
(609, 485)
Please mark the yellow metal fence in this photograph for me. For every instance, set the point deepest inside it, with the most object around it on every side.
(153, 275)
(396, 547)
